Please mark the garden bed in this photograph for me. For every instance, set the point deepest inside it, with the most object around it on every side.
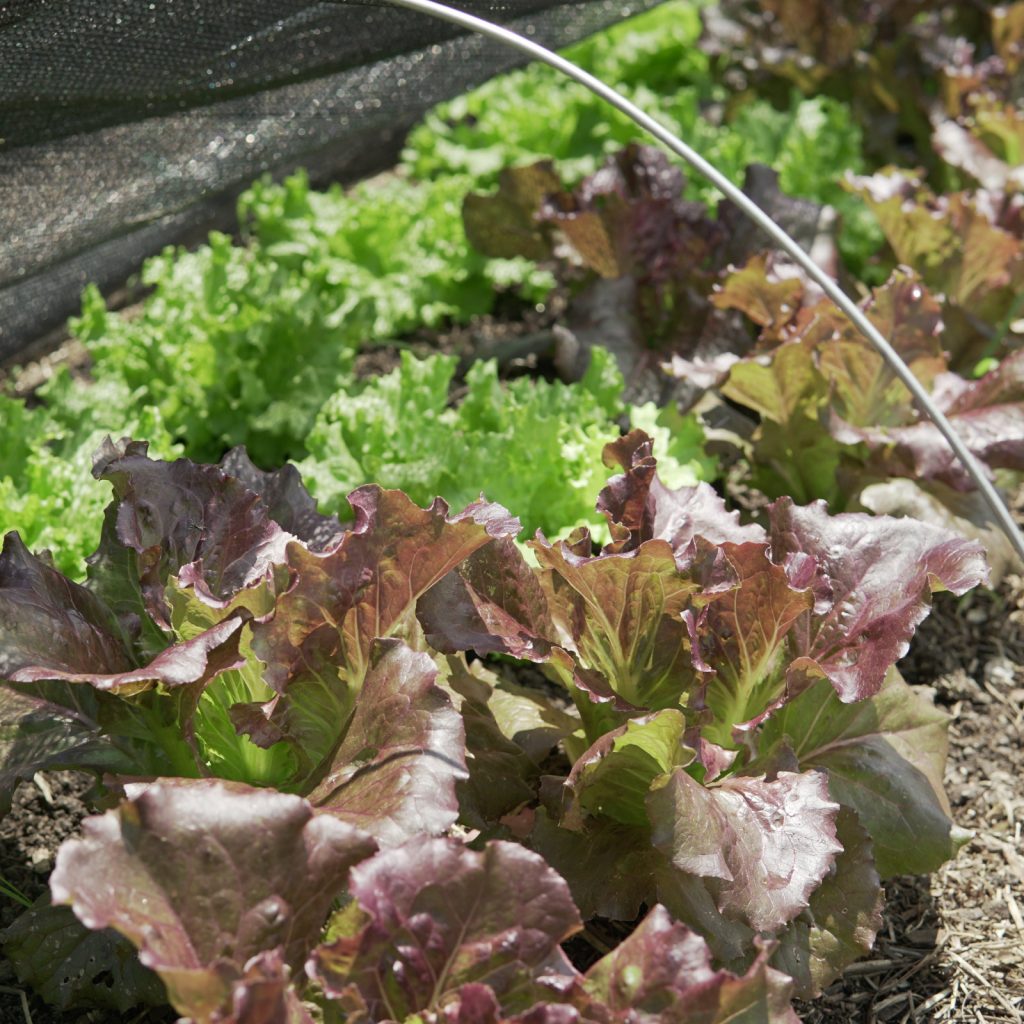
(949, 948)
(662, 752)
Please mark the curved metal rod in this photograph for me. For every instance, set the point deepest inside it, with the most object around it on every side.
(756, 214)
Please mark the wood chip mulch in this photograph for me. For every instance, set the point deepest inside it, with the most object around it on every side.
(952, 944)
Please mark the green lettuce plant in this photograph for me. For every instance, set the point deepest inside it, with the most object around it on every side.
(531, 445)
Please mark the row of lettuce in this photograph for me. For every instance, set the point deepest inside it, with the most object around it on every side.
(281, 698)
(255, 343)
(282, 710)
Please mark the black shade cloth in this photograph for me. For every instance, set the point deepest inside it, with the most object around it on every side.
(127, 125)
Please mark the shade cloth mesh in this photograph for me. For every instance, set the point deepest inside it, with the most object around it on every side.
(128, 125)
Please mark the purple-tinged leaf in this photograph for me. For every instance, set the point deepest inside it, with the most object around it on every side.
(769, 298)
(765, 844)
(964, 513)
(1001, 386)
(794, 454)
(865, 390)
(842, 920)
(45, 616)
(787, 393)
(264, 994)
(52, 628)
(620, 615)
(878, 575)
(647, 257)
(286, 500)
(988, 415)
(662, 972)
(172, 514)
(505, 224)
(744, 634)
(367, 586)
(477, 1004)
(628, 219)
(395, 772)
(965, 245)
(202, 876)
(804, 42)
(640, 508)
(692, 901)
(609, 867)
(436, 916)
(884, 758)
(492, 602)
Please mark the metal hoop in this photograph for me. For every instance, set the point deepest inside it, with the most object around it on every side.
(756, 214)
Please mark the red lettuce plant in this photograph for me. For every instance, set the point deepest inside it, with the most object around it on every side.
(747, 754)
(227, 891)
(968, 247)
(878, 57)
(836, 423)
(639, 260)
(722, 739)
(174, 658)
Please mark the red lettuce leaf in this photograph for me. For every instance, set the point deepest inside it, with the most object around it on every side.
(57, 725)
(640, 508)
(368, 585)
(640, 260)
(286, 500)
(452, 936)
(52, 628)
(663, 972)
(505, 225)
(609, 866)
(988, 415)
(745, 634)
(435, 916)
(764, 845)
(873, 581)
(177, 514)
(492, 602)
(793, 453)
(864, 388)
(264, 994)
(395, 771)
(783, 34)
(964, 513)
(968, 246)
(842, 919)
(477, 1004)
(203, 876)
(620, 615)
(885, 758)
